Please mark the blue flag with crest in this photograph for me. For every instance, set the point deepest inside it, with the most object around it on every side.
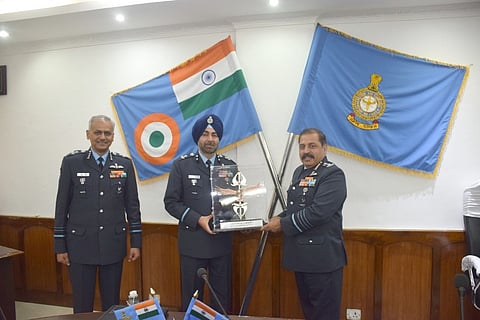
(378, 105)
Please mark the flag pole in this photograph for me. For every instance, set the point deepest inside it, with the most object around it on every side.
(273, 172)
(276, 196)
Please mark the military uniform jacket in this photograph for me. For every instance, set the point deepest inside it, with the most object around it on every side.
(91, 208)
(188, 196)
(312, 221)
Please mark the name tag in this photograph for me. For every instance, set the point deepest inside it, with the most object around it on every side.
(83, 174)
(193, 176)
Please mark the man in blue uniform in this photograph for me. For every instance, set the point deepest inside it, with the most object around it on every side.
(313, 245)
(188, 198)
(96, 190)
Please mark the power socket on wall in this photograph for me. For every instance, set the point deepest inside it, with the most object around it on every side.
(354, 314)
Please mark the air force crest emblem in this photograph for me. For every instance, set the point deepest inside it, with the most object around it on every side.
(368, 105)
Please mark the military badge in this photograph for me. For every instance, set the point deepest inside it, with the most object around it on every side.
(116, 174)
(368, 105)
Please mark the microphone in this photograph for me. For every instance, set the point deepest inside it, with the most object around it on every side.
(202, 273)
(461, 283)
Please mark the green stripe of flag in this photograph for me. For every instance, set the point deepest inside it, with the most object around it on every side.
(213, 95)
(148, 314)
(201, 316)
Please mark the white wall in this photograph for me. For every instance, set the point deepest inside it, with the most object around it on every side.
(53, 89)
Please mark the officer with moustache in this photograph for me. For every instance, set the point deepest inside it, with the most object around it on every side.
(97, 189)
(188, 198)
(313, 245)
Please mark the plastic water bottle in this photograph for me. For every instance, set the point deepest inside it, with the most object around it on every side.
(471, 200)
(132, 297)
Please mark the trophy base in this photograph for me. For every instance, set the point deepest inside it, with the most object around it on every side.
(239, 225)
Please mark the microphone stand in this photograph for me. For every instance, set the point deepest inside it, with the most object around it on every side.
(203, 275)
(461, 282)
(461, 292)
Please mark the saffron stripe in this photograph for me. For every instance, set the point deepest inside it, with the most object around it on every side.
(201, 61)
(202, 306)
(144, 304)
(194, 84)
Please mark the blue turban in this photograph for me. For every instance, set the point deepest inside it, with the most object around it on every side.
(205, 121)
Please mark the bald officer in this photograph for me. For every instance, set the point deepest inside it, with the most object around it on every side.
(188, 199)
(97, 190)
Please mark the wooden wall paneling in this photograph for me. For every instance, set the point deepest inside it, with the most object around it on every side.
(261, 299)
(9, 237)
(64, 278)
(436, 281)
(448, 306)
(131, 278)
(287, 287)
(40, 263)
(289, 301)
(238, 290)
(358, 278)
(161, 264)
(377, 282)
(407, 282)
(390, 274)
(274, 292)
(275, 243)
(9, 232)
(451, 249)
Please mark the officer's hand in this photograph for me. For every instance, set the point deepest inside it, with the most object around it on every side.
(204, 223)
(273, 225)
(63, 258)
(134, 254)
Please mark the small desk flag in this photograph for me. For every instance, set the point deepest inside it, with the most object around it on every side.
(197, 310)
(146, 310)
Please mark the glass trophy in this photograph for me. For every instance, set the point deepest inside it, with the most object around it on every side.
(238, 197)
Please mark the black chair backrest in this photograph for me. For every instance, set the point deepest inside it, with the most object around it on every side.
(472, 234)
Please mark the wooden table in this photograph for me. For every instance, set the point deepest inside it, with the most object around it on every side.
(172, 315)
(7, 286)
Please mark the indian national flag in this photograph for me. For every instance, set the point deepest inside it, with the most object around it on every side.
(157, 116)
(208, 78)
(147, 310)
(197, 310)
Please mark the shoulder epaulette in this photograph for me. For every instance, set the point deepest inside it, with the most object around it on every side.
(116, 154)
(186, 156)
(74, 152)
(327, 164)
(223, 157)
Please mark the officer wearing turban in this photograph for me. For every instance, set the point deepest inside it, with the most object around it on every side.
(188, 199)
(211, 121)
